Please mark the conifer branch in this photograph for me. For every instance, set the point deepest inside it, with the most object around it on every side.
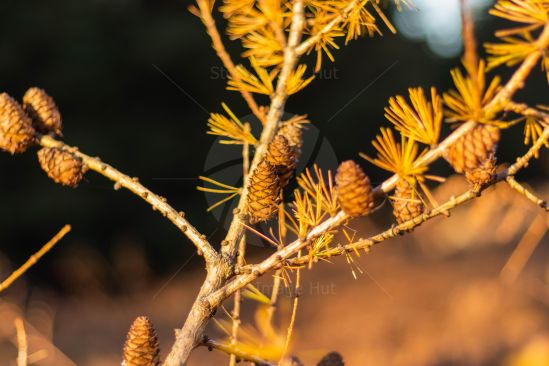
(217, 44)
(277, 259)
(132, 184)
(527, 111)
(274, 116)
(511, 181)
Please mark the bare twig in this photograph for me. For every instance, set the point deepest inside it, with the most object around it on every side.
(132, 184)
(524, 249)
(34, 258)
(526, 193)
(241, 257)
(527, 111)
(240, 354)
(217, 43)
(468, 35)
(291, 326)
(22, 346)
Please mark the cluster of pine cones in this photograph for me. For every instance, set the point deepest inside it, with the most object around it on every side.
(273, 173)
(19, 128)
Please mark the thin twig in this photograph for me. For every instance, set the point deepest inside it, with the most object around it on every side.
(524, 249)
(237, 300)
(527, 111)
(34, 258)
(132, 184)
(217, 43)
(468, 35)
(291, 326)
(240, 259)
(22, 346)
(526, 193)
(240, 354)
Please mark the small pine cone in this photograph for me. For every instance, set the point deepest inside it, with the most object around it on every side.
(264, 193)
(332, 359)
(141, 348)
(474, 148)
(354, 190)
(283, 157)
(42, 110)
(483, 174)
(16, 132)
(292, 130)
(406, 203)
(62, 166)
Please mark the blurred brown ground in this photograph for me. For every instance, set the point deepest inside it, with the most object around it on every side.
(435, 297)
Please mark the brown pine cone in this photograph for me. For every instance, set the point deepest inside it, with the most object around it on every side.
(283, 157)
(407, 203)
(62, 166)
(483, 174)
(141, 348)
(473, 149)
(16, 132)
(42, 110)
(292, 130)
(354, 190)
(264, 193)
(332, 359)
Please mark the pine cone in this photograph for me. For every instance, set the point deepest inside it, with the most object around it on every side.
(354, 190)
(141, 348)
(407, 203)
(16, 132)
(473, 149)
(62, 166)
(332, 359)
(292, 130)
(42, 110)
(283, 157)
(483, 174)
(264, 193)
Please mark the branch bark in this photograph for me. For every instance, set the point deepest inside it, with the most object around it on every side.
(132, 184)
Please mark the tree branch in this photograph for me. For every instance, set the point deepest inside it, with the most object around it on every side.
(189, 336)
(217, 44)
(276, 110)
(526, 193)
(527, 111)
(132, 184)
(502, 98)
(34, 258)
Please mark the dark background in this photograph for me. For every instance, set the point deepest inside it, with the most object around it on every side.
(108, 65)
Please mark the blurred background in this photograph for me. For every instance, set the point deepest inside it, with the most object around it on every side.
(135, 80)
